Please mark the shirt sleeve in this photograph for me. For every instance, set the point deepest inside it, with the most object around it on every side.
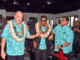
(28, 33)
(70, 36)
(54, 30)
(5, 31)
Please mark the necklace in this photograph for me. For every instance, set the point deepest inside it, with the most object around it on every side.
(43, 34)
(45, 30)
(15, 34)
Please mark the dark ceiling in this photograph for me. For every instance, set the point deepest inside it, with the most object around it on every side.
(40, 6)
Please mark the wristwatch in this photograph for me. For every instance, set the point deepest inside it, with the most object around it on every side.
(61, 45)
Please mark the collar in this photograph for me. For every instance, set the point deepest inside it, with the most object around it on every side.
(64, 26)
(43, 27)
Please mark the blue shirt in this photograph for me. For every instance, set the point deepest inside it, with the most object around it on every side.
(14, 47)
(62, 35)
(42, 45)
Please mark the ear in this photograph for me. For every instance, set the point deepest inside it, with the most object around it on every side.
(66, 22)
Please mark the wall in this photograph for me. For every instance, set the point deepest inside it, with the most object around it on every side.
(77, 12)
(3, 12)
(27, 15)
(50, 16)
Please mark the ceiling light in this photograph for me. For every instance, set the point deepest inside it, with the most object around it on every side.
(48, 3)
(28, 3)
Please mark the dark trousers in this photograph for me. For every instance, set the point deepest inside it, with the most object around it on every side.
(40, 54)
(76, 49)
(21, 57)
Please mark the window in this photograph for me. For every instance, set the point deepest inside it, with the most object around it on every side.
(47, 21)
(69, 23)
(51, 24)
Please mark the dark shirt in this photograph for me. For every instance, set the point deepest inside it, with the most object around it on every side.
(76, 37)
(76, 32)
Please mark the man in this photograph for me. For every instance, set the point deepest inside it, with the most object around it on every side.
(63, 37)
(76, 43)
(41, 43)
(13, 36)
(2, 25)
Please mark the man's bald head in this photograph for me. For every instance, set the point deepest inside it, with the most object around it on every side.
(18, 12)
(18, 17)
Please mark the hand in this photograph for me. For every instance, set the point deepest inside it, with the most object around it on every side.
(50, 37)
(3, 54)
(77, 29)
(51, 48)
(58, 46)
(38, 33)
(35, 44)
(74, 29)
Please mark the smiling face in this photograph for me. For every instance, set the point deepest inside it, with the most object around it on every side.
(18, 17)
(43, 21)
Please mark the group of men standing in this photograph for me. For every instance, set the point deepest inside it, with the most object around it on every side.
(16, 31)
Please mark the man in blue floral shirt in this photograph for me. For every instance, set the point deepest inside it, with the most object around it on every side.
(63, 36)
(13, 36)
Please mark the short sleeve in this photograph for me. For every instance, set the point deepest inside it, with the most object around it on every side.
(5, 31)
(70, 36)
(54, 30)
(28, 33)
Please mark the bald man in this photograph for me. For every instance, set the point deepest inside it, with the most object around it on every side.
(13, 36)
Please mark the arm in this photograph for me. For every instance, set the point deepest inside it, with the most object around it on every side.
(65, 44)
(53, 32)
(3, 42)
(70, 38)
(31, 36)
(50, 44)
(2, 27)
(51, 36)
